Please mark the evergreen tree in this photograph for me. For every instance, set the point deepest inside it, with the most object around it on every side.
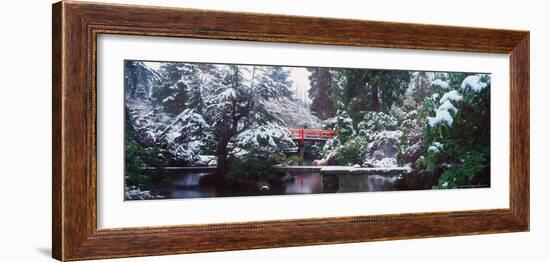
(281, 75)
(236, 105)
(172, 95)
(320, 92)
(140, 80)
(355, 93)
(371, 90)
(421, 83)
(386, 88)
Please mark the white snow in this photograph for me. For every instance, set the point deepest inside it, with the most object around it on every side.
(452, 95)
(473, 82)
(229, 93)
(268, 138)
(408, 167)
(436, 147)
(387, 162)
(440, 83)
(388, 135)
(441, 116)
(169, 98)
(448, 106)
(207, 160)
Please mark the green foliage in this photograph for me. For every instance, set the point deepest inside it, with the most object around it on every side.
(292, 160)
(390, 86)
(409, 104)
(344, 127)
(398, 114)
(138, 158)
(263, 142)
(251, 168)
(321, 92)
(362, 90)
(352, 152)
(375, 122)
(463, 158)
(313, 150)
(472, 166)
(342, 124)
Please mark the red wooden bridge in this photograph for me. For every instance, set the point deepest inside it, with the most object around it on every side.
(301, 136)
(312, 134)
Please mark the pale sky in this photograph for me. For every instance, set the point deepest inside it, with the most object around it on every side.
(298, 75)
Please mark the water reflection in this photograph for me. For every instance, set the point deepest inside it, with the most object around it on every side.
(366, 183)
(304, 184)
(187, 185)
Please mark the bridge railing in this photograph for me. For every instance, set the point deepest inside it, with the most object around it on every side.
(303, 134)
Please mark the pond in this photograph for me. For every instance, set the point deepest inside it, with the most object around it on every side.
(186, 185)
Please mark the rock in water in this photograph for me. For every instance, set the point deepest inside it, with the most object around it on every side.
(264, 186)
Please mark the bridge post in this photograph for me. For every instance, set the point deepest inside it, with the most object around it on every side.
(301, 152)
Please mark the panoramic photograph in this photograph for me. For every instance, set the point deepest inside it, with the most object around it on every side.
(196, 130)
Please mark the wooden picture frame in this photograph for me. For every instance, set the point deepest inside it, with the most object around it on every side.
(76, 26)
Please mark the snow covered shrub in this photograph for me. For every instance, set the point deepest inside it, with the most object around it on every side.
(409, 104)
(329, 147)
(467, 172)
(256, 151)
(185, 135)
(351, 152)
(137, 158)
(431, 159)
(329, 124)
(134, 193)
(398, 114)
(438, 83)
(344, 126)
(458, 134)
(375, 122)
(411, 145)
(263, 141)
(251, 168)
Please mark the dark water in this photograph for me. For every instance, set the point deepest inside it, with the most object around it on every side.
(187, 186)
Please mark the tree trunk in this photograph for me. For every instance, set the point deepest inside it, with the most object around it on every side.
(222, 156)
(374, 99)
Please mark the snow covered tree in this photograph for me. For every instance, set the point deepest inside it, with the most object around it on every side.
(320, 80)
(340, 146)
(172, 95)
(140, 80)
(185, 135)
(236, 105)
(281, 76)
